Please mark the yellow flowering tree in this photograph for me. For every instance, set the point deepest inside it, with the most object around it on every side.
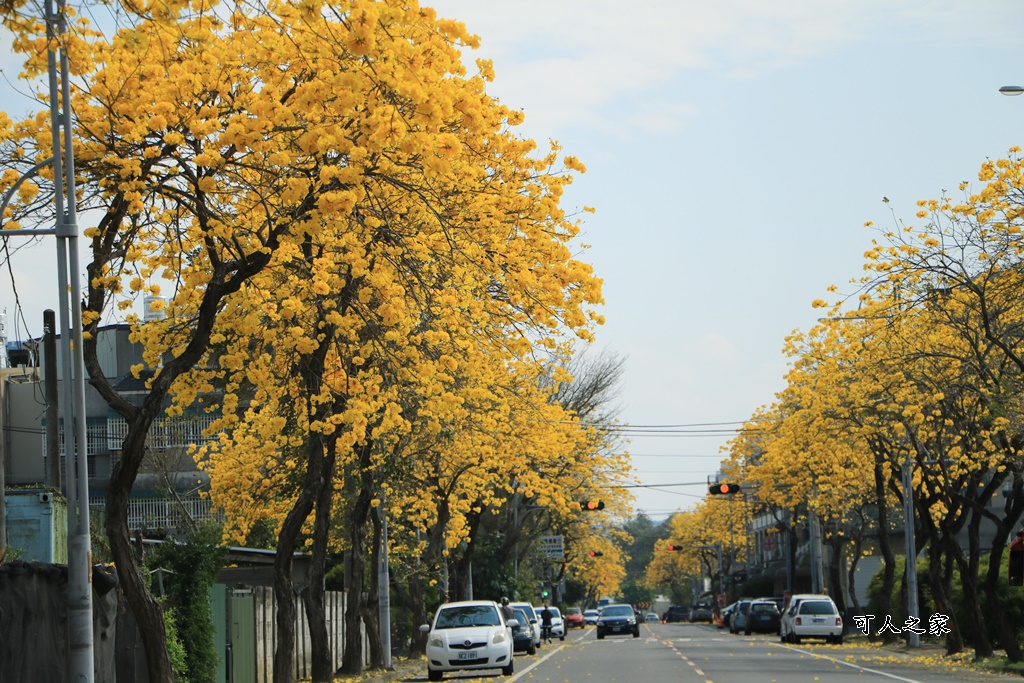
(325, 201)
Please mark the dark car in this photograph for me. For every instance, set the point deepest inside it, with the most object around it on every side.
(676, 613)
(617, 620)
(522, 634)
(701, 612)
(762, 617)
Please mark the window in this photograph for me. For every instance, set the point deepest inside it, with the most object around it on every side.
(817, 607)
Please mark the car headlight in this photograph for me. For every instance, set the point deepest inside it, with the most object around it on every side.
(435, 641)
(499, 638)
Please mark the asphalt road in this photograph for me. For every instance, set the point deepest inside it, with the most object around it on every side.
(698, 653)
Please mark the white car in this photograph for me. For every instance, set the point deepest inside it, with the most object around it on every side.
(811, 616)
(557, 624)
(534, 619)
(468, 636)
(590, 617)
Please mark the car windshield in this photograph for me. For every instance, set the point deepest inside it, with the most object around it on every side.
(572, 610)
(467, 615)
(817, 607)
(763, 607)
(617, 611)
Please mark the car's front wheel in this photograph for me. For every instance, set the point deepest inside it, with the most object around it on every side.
(532, 650)
(636, 633)
(433, 675)
(600, 636)
(507, 670)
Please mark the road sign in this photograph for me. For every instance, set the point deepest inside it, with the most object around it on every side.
(551, 546)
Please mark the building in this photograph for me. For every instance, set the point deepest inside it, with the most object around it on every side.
(23, 446)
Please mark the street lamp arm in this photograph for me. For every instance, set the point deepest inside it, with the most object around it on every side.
(14, 188)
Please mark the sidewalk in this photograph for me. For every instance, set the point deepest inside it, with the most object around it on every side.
(403, 669)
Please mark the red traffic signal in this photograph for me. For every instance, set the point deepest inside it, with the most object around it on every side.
(592, 505)
(675, 547)
(596, 553)
(716, 489)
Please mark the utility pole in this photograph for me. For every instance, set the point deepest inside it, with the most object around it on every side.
(384, 585)
(72, 403)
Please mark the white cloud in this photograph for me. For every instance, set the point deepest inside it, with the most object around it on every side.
(574, 61)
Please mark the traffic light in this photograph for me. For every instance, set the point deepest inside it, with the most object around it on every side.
(675, 547)
(588, 505)
(544, 592)
(596, 553)
(716, 489)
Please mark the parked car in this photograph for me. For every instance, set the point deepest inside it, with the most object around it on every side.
(651, 618)
(573, 618)
(590, 617)
(617, 620)
(811, 616)
(534, 619)
(522, 634)
(676, 613)
(700, 612)
(762, 617)
(468, 636)
(557, 625)
(738, 616)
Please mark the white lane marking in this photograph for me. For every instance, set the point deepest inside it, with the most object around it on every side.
(849, 664)
(537, 662)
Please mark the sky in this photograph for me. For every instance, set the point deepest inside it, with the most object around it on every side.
(735, 150)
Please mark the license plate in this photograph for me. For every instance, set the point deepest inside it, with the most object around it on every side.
(472, 654)
(819, 621)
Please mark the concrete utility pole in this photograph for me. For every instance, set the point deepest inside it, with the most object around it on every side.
(384, 585)
(72, 403)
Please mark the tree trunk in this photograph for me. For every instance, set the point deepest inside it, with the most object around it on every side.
(851, 574)
(355, 563)
(313, 597)
(990, 588)
(884, 545)
(972, 599)
(835, 572)
(372, 625)
(943, 603)
(144, 606)
(284, 589)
